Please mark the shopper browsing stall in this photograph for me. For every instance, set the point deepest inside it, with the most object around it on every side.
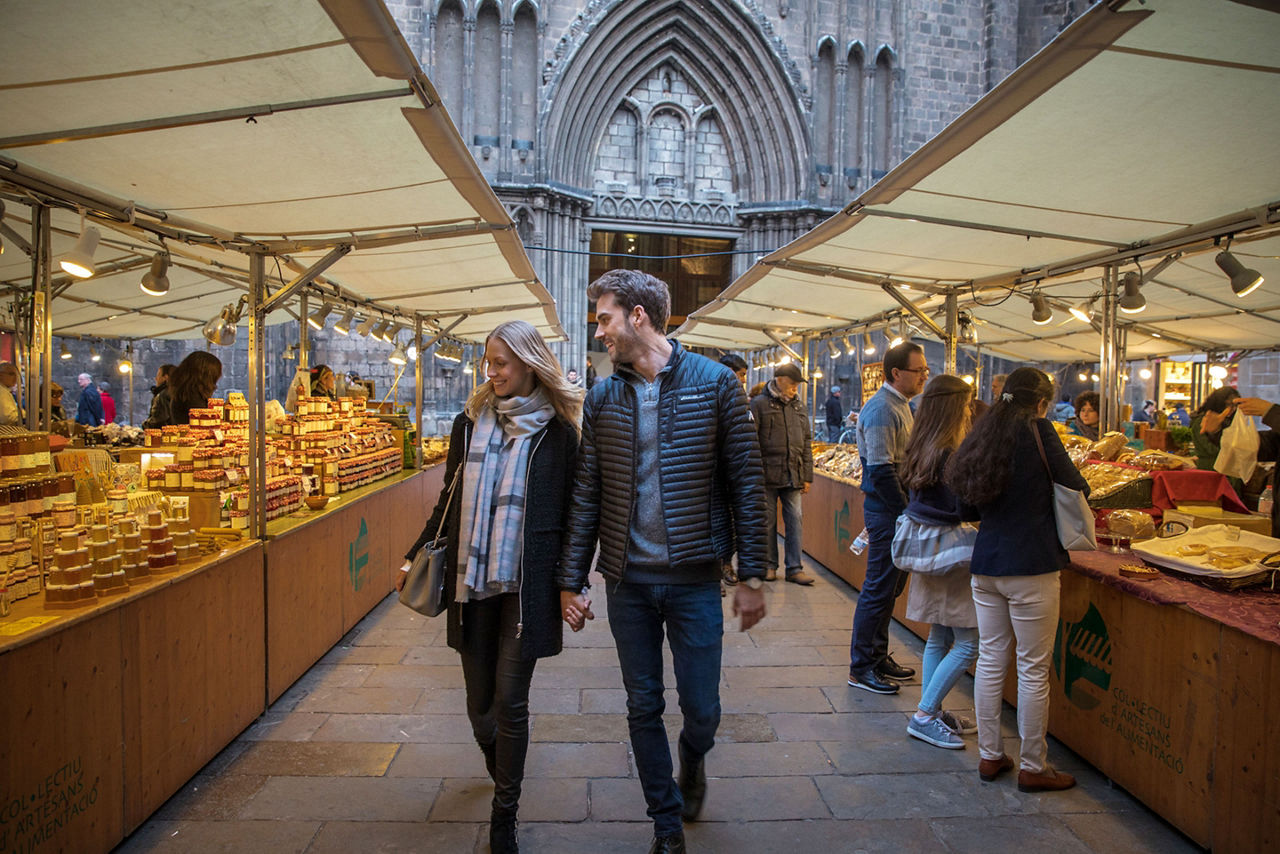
(511, 460)
(1211, 417)
(1016, 560)
(190, 386)
(883, 427)
(944, 600)
(1268, 444)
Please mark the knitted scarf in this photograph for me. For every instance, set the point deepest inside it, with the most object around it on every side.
(493, 494)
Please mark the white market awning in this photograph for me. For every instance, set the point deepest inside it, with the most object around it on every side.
(1143, 131)
(224, 127)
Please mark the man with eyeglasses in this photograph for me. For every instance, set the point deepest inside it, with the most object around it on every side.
(883, 427)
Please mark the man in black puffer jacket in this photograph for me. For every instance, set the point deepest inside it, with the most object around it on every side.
(667, 442)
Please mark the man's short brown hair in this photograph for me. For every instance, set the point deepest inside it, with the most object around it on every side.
(631, 288)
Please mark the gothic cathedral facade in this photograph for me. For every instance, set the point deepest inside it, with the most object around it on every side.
(714, 130)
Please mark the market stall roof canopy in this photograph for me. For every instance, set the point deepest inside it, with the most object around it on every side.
(1144, 131)
(229, 126)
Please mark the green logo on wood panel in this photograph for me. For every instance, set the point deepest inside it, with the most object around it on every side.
(1082, 659)
(843, 538)
(358, 556)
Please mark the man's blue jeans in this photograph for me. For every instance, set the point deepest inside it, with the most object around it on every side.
(884, 583)
(791, 503)
(695, 629)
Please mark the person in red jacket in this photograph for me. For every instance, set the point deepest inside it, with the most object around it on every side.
(108, 403)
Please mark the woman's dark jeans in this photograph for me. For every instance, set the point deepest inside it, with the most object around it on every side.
(497, 681)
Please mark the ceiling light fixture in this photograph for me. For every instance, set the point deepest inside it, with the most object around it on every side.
(968, 329)
(365, 326)
(390, 335)
(1083, 310)
(79, 261)
(379, 329)
(221, 329)
(1041, 313)
(1145, 373)
(343, 326)
(868, 346)
(398, 356)
(1132, 301)
(1244, 280)
(64, 354)
(156, 280)
(317, 318)
(94, 355)
(290, 353)
(833, 349)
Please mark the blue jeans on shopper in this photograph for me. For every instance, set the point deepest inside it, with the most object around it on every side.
(833, 432)
(695, 629)
(790, 497)
(883, 585)
(947, 653)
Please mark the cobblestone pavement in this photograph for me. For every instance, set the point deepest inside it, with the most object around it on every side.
(371, 751)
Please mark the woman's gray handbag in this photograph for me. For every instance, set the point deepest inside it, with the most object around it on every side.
(1071, 510)
(423, 589)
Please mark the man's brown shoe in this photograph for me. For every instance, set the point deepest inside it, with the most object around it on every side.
(989, 769)
(800, 577)
(1049, 781)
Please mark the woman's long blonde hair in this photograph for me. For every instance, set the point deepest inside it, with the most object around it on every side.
(529, 348)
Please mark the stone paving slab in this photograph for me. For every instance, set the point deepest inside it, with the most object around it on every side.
(285, 726)
(772, 759)
(1007, 833)
(903, 795)
(347, 654)
(232, 837)
(552, 799)
(405, 675)
(443, 729)
(315, 759)
(343, 798)
(398, 837)
(830, 836)
(735, 699)
(387, 700)
(211, 798)
(1132, 831)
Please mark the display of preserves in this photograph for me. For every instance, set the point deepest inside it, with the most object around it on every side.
(838, 461)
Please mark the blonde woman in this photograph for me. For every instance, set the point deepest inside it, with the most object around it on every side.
(515, 445)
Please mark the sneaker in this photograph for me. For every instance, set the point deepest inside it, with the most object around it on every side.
(871, 681)
(894, 670)
(800, 577)
(935, 732)
(958, 724)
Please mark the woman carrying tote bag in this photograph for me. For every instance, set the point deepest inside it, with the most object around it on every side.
(517, 443)
(944, 601)
(1015, 566)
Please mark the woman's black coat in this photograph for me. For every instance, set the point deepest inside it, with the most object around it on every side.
(551, 467)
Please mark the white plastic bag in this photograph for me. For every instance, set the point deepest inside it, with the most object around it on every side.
(1238, 454)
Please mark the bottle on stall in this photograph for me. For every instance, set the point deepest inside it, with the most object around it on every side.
(1265, 501)
(860, 542)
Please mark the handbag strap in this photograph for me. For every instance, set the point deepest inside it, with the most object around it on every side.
(1035, 431)
(444, 517)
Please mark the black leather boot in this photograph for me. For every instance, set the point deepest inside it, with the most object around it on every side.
(670, 844)
(502, 834)
(693, 784)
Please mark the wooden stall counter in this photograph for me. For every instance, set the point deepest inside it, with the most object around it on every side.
(109, 708)
(327, 569)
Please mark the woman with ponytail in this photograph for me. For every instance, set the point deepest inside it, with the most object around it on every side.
(1000, 470)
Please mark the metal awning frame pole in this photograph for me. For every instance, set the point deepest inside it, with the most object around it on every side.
(1108, 414)
(417, 390)
(949, 341)
(257, 398)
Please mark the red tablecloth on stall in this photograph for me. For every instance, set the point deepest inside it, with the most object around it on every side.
(1207, 487)
(1252, 610)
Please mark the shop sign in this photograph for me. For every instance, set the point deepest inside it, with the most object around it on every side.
(843, 537)
(34, 820)
(1083, 663)
(358, 556)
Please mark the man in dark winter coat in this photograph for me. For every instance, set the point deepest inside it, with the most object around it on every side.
(835, 415)
(667, 442)
(787, 454)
